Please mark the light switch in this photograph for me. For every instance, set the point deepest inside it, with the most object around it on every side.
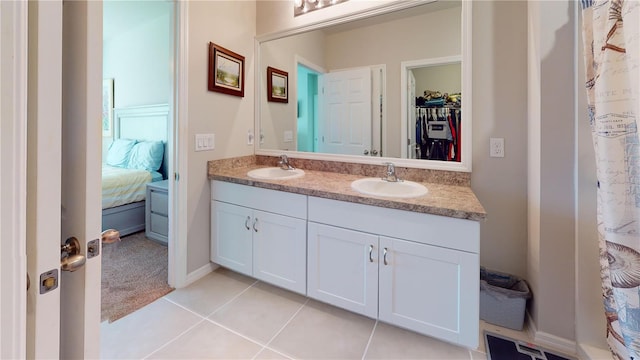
(288, 136)
(250, 137)
(205, 142)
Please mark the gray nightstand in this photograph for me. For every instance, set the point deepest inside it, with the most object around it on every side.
(157, 211)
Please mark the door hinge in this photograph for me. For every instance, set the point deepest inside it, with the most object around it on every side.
(176, 176)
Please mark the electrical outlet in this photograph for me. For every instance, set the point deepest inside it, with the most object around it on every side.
(496, 147)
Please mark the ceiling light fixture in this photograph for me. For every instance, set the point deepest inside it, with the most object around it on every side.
(304, 6)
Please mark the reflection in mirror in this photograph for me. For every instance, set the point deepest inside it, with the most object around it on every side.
(345, 88)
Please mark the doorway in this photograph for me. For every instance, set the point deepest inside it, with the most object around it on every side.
(138, 55)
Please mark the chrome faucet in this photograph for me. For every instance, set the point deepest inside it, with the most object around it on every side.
(391, 173)
(284, 163)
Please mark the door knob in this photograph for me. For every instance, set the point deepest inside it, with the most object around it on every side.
(110, 236)
(70, 257)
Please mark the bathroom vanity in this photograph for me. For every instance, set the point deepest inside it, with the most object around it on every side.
(410, 262)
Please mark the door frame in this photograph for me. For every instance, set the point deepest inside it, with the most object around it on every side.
(178, 173)
(13, 297)
(13, 188)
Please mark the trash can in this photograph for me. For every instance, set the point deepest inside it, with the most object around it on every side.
(503, 299)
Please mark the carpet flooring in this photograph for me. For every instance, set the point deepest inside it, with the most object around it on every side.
(134, 274)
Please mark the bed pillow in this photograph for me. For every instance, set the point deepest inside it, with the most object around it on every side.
(146, 155)
(119, 152)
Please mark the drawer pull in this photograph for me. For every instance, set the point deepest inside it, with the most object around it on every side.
(255, 225)
(246, 222)
(384, 257)
(370, 252)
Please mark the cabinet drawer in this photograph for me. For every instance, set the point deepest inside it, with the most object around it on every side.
(160, 224)
(437, 230)
(159, 202)
(277, 202)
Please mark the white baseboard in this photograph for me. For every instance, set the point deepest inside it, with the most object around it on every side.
(588, 352)
(200, 273)
(551, 342)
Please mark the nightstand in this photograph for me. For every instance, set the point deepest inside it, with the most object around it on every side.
(157, 211)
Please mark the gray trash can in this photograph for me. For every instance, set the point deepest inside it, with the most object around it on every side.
(503, 299)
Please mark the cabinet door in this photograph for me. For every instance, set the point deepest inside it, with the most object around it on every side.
(231, 237)
(431, 290)
(343, 268)
(280, 250)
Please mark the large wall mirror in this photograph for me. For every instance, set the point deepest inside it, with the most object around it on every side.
(391, 87)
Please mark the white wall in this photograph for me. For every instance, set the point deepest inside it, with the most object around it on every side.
(230, 24)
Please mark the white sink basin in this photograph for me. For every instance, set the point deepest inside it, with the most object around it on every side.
(275, 173)
(379, 187)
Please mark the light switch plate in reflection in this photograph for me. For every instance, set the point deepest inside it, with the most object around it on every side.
(288, 136)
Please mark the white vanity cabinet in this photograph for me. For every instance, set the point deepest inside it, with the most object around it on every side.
(342, 268)
(419, 271)
(260, 233)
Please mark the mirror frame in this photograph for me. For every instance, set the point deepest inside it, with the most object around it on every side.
(466, 57)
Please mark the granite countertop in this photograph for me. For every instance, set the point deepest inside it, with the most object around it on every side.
(446, 200)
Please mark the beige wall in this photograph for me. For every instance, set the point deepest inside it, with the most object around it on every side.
(500, 98)
(426, 36)
(590, 319)
(553, 266)
(230, 24)
(276, 118)
(443, 78)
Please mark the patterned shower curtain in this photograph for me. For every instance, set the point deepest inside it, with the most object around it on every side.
(611, 33)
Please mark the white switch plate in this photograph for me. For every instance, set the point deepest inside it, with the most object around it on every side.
(496, 147)
(205, 142)
(250, 137)
(288, 136)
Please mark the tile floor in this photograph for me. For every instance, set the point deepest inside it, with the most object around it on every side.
(230, 316)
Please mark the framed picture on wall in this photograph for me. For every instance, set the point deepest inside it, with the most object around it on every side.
(107, 107)
(226, 71)
(277, 85)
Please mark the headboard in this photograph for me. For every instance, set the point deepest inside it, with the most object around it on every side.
(149, 122)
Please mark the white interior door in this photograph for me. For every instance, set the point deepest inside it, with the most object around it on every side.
(346, 117)
(63, 171)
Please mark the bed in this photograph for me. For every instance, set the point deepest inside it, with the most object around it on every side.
(137, 156)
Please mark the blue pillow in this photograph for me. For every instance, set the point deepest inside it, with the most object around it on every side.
(146, 155)
(119, 152)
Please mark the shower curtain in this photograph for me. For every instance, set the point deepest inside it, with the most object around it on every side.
(611, 33)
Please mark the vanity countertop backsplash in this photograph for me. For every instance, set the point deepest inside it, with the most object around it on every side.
(449, 193)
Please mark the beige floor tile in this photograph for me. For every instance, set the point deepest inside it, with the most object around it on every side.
(322, 331)
(267, 354)
(211, 292)
(208, 341)
(142, 332)
(390, 342)
(476, 355)
(259, 312)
